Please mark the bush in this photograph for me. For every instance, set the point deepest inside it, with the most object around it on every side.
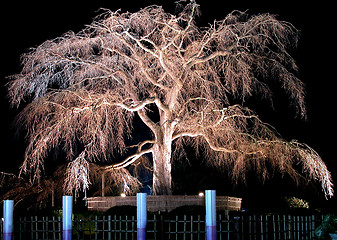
(329, 225)
(189, 210)
(122, 210)
(294, 202)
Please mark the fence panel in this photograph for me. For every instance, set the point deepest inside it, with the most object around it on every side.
(105, 227)
(35, 227)
(184, 227)
(268, 226)
(167, 227)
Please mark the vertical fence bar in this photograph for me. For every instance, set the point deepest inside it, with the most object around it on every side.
(259, 220)
(133, 227)
(67, 209)
(191, 227)
(141, 216)
(274, 226)
(310, 227)
(125, 228)
(45, 227)
(279, 221)
(221, 222)
(176, 228)
(8, 207)
(36, 228)
(254, 227)
(115, 226)
(184, 227)
(240, 230)
(228, 225)
(95, 229)
(109, 227)
(210, 214)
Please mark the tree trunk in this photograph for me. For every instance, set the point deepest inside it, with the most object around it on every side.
(162, 180)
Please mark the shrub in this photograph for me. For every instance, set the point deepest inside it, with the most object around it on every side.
(189, 210)
(294, 202)
(122, 210)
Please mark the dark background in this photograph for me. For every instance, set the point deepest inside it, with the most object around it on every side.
(29, 23)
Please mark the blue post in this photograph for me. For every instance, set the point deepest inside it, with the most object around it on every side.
(67, 211)
(8, 219)
(210, 214)
(141, 216)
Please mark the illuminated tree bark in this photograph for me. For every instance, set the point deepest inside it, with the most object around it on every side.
(182, 81)
(162, 179)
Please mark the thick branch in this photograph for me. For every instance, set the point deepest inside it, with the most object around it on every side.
(207, 58)
(210, 144)
(131, 159)
(147, 121)
(143, 116)
(136, 106)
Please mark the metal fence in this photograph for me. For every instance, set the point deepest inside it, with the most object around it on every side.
(275, 227)
(38, 228)
(168, 227)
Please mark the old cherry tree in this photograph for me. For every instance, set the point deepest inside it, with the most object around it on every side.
(183, 82)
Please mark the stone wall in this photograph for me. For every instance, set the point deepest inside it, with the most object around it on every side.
(163, 203)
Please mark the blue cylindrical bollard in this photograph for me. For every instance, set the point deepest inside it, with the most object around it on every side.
(8, 219)
(67, 211)
(210, 203)
(141, 216)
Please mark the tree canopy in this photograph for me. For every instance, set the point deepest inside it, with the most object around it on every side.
(187, 84)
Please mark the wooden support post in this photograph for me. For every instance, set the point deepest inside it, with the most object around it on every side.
(141, 216)
(8, 207)
(67, 211)
(210, 203)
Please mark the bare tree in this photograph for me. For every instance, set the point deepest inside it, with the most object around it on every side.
(183, 82)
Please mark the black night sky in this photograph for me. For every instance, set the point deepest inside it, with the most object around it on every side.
(29, 23)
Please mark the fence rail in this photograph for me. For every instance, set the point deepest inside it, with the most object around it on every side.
(167, 227)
